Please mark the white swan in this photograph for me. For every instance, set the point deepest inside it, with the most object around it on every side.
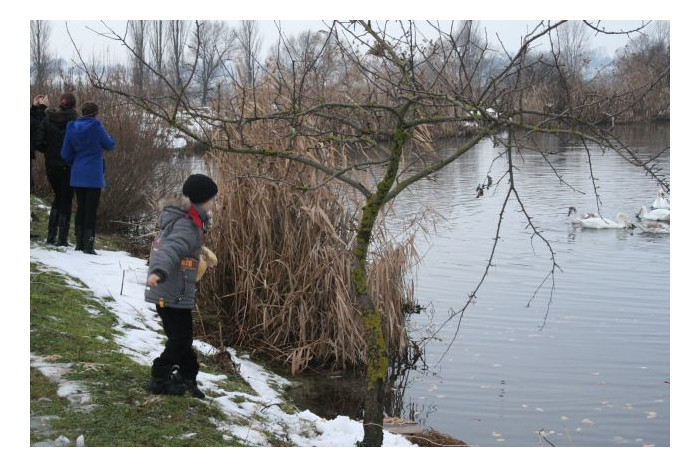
(577, 218)
(602, 223)
(654, 214)
(661, 202)
(654, 227)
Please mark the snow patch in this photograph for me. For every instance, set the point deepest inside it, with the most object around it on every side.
(138, 335)
(61, 441)
(71, 390)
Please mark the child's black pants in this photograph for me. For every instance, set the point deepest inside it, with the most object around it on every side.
(177, 323)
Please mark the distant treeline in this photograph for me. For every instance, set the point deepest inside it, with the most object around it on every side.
(215, 62)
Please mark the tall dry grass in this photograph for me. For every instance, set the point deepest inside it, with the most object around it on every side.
(283, 285)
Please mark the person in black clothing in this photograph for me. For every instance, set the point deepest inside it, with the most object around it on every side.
(37, 112)
(49, 140)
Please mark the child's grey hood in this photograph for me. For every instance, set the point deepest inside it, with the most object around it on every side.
(172, 208)
(175, 207)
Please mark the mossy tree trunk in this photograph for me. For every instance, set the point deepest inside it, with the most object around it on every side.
(377, 361)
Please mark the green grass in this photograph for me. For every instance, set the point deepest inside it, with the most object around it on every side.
(42, 393)
(122, 412)
(275, 441)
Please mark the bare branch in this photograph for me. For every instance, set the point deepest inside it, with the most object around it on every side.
(596, 27)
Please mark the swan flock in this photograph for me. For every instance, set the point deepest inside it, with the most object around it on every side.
(654, 220)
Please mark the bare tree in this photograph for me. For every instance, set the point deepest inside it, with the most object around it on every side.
(395, 93)
(138, 58)
(250, 41)
(572, 48)
(157, 46)
(656, 36)
(214, 44)
(645, 57)
(176, 42)
(40, 57)
(569, 50)
(472, 55)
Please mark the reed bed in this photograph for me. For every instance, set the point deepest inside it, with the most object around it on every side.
(283, 285)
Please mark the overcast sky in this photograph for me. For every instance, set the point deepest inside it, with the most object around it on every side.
(509, 32)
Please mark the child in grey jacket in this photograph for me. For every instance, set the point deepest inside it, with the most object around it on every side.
(172, 274)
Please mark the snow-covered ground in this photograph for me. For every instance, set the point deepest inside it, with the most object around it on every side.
(119, 280)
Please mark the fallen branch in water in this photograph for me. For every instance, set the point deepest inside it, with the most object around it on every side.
(543, 437)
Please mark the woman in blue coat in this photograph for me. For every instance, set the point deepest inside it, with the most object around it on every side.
(82, 150)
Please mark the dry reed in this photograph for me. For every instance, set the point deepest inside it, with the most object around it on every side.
(283, 286)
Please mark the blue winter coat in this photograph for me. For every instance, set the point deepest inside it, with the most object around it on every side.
(82, 150)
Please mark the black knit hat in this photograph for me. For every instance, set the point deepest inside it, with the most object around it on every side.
(199, 188)
(89, 109)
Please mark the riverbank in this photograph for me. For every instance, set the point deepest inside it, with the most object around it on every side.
(93, 338)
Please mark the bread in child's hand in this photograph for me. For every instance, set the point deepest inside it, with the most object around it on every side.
(207, 259)
(209, 256)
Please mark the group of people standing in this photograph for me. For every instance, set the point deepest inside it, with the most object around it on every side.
(72, 145)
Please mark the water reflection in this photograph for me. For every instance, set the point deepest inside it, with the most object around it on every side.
(329, 397)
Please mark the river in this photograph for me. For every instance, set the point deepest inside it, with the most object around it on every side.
(587, 363)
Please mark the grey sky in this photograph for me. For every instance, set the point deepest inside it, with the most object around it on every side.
(508, 31)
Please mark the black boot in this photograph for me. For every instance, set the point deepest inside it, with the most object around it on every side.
(170, 384)
(63, 228)
(157, 385)
(191, 385)
(89, 242)
(53, 227)
(79, 243)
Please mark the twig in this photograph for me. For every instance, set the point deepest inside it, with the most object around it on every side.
(472, 295)
(543, 437)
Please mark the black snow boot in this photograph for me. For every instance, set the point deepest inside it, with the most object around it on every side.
(170, 384)
(89, 242)
(79, 243)
(53, 227)
(191, 385)
(63, 228)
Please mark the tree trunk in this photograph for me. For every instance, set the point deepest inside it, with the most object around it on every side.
(205, 93)
(377, 363)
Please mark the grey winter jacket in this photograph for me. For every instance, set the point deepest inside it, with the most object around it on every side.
(175, 253)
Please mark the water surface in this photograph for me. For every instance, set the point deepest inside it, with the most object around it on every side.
(587, 362)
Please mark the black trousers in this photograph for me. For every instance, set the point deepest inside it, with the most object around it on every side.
(31, 172)
(59, 179)
(88, 200)
(177, 324)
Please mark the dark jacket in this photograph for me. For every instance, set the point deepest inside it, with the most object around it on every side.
(50, 134)
(36, 116)
(82, 150)
(175, 253)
